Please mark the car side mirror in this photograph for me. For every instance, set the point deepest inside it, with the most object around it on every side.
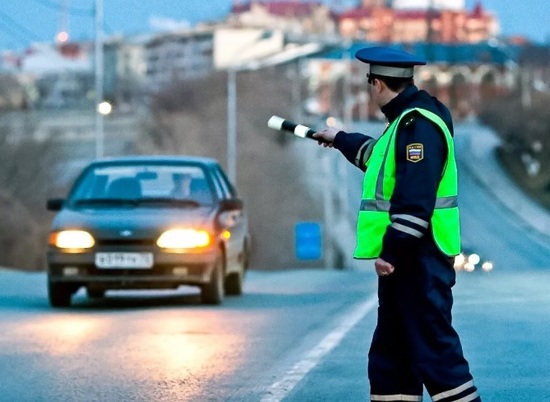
(232, 203)
(55, 204)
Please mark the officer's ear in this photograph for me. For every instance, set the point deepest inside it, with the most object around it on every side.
(378, 85)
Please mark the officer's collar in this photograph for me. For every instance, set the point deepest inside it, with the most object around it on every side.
(398, 104)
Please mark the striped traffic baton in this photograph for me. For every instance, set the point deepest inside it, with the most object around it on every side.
(278, 123)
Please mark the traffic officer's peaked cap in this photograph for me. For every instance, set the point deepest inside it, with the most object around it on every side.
(389, 62)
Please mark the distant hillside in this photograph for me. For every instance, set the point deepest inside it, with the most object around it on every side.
(525, 150)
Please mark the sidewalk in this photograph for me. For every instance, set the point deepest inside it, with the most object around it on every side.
(479, 157)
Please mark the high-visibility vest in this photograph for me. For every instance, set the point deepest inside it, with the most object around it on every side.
(379, 184)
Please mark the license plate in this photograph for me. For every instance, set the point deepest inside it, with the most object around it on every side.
(124, 260)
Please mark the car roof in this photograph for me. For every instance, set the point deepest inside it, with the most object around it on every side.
(168, 159)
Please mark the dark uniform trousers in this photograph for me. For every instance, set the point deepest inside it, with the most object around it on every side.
(414, 343)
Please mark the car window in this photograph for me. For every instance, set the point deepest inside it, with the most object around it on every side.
(217, 185)
(227, 189)
(144, 181)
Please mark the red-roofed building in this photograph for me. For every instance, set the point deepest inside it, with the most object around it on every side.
(298, 17)
(367, 23)
(373, 21)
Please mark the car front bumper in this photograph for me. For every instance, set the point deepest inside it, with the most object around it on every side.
(169, 270)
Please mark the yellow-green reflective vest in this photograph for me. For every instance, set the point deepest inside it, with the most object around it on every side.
(378, 186)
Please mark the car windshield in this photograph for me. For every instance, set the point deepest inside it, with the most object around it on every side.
(143, 184)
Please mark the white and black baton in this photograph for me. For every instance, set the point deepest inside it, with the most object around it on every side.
(278, 123)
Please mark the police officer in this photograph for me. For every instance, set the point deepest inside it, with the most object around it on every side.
(409, 224)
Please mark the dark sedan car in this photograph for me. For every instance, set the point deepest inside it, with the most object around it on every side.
(148, 222)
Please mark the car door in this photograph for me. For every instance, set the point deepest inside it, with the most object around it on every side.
(235, 219)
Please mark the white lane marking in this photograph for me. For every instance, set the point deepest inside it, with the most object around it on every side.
(280, 389)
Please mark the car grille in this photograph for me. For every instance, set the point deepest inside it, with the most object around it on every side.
(125, 242)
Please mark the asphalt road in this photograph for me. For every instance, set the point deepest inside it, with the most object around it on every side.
(296, 335)
(166, 346)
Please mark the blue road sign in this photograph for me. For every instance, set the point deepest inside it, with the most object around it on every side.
(308, 241)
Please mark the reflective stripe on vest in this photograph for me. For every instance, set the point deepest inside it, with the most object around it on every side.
(378, 186)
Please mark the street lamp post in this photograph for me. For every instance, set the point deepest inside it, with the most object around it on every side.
(232, 124)
(99, 134)
(248, 65)
(232, 107)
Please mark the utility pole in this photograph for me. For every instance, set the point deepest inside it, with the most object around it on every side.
(232, 124)
(63, 31)
(99, 134)
(328, 210)
(430, 34)
(297, 90)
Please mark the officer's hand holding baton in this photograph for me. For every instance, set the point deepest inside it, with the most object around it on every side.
(326, 137)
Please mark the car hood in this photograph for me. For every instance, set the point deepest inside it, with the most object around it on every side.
(134, 222)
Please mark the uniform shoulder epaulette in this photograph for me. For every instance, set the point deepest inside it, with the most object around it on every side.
(409, 120)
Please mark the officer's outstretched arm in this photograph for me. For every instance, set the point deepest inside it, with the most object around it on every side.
(356, 147)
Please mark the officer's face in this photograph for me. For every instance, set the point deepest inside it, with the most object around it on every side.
(375, 88)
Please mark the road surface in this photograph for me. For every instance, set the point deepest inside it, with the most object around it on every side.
(295, 335)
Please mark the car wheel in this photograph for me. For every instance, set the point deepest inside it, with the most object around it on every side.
(234, 281)
(246, 258)
(234, 284)
(59, 294)
(213, 292)
(95, 293)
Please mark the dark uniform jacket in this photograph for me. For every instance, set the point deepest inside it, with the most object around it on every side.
(416, 182)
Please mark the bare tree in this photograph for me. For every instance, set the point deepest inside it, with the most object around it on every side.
(26, 177)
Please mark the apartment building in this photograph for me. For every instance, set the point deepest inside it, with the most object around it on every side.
(178, 56)
(413, 21)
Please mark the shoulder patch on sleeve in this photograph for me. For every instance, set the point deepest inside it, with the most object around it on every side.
(415, 152)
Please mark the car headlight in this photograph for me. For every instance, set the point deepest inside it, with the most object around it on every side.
(469, 267)
(72, 239)
(459, 260)
(487, 266)
(474, 259)
(184, 239)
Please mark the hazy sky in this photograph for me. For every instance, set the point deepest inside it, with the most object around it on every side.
(25, 21)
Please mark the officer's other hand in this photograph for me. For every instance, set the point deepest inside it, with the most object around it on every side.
(383, 268)
(326, 136)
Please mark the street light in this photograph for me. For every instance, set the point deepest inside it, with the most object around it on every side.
(104, 108)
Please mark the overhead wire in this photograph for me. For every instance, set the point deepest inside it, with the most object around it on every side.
(13, 34)
(16, 28)
(23, 35)
(71, 10)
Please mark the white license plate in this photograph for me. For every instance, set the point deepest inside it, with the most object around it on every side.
(124, 260)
